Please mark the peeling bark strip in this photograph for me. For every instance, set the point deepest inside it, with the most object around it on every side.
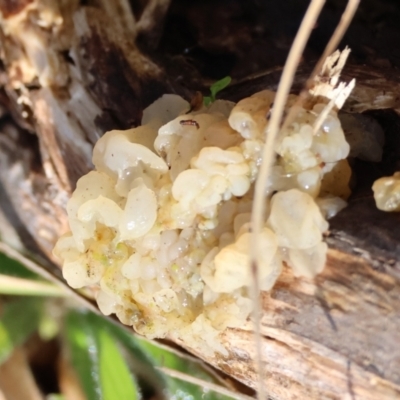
(118, 76)
(72, 72)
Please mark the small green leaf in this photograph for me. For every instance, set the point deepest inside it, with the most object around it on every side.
(215, 88)
(207, 100)
(103, 371)
(219, 85)
(18, 320)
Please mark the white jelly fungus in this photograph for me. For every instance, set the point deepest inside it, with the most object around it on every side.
(161, 227)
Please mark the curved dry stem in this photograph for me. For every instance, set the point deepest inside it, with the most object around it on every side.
(258, 213)
(257, 218)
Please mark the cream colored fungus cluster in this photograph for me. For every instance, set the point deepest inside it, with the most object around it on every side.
(160, 228)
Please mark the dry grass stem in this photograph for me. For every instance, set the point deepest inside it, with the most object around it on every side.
(257, 219)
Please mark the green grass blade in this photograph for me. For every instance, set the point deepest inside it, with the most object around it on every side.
(163, 358)
(183, 386)
(140, 364)
(11, 267)
(117, 382)
(193, 381)
(179, 377)
(183, 390)
(103, 372)
(18, 320)
(83, 353)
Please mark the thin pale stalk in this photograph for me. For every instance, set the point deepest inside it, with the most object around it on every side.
(257, 218)
(12, 285)
(41, 271)
(322, 117)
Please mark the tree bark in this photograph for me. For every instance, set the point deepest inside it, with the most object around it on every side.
(72, 72)
(333, 338)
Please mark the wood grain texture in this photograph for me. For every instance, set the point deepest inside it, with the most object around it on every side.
(333, 338)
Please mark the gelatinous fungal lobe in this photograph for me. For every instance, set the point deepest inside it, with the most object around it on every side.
(387, 192)
(161, 227)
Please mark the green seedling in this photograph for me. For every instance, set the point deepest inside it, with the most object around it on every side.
(215, 88)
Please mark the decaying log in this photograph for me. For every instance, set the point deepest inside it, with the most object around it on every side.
(72, 72)
(334, 338)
